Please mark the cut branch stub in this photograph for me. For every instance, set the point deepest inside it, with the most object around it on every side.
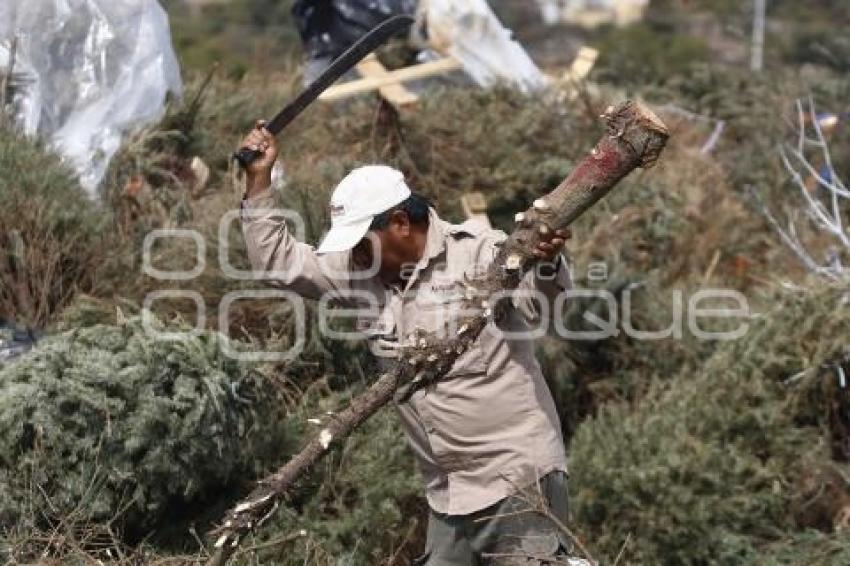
(635, 138)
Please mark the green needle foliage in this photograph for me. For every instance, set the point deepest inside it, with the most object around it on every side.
(702, 470)
(106, 424)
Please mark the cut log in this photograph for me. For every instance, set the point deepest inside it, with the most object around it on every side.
(635, 138)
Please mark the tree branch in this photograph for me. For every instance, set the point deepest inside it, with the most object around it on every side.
(635, 138)
(824, 194)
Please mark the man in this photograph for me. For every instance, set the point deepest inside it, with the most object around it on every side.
(487, 437)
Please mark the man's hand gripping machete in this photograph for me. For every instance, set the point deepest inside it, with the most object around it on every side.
(341, 65)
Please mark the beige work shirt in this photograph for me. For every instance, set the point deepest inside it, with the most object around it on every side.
(490, 427)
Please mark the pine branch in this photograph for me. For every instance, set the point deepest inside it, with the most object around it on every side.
(635, 138)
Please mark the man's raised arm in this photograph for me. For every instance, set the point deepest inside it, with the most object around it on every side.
(274, 252)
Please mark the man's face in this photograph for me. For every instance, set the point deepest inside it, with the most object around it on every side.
(393, 244)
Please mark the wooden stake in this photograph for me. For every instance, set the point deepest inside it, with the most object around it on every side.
(414, 72)
(395, 94)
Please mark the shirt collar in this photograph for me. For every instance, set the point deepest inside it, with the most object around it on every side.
(435, 244)
(435, 241)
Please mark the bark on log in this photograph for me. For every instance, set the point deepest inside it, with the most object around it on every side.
(635, 138)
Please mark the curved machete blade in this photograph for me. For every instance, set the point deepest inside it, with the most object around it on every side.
(341, 65)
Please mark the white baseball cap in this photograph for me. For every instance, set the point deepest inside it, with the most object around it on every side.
(362, 195)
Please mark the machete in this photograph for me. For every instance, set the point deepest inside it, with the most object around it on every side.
(376, 37)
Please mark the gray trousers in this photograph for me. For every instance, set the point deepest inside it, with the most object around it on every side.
(506, 533)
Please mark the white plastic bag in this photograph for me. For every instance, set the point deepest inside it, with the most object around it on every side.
(550, 11)
(471, 32)
(91, 71)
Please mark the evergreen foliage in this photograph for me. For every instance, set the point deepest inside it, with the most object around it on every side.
(50, 232)
(702, 470)
(106, 424)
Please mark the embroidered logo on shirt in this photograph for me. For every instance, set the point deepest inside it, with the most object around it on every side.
(442, 291)
(443, 287)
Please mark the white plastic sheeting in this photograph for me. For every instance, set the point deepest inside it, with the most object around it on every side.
(470, 31)
(550, 11)
(89, 71)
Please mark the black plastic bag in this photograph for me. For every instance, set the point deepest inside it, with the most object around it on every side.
(329, 27)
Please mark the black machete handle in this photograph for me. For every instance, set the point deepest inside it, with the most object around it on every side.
(246, 156)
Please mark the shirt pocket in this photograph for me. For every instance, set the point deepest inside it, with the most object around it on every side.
(438, 308)
(379, 330)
